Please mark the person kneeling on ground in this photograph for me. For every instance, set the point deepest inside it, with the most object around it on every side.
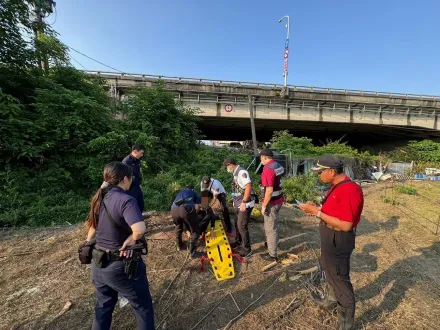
(184, 212)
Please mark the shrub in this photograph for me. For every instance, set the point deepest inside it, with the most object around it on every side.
(406, 190)
(302, 188)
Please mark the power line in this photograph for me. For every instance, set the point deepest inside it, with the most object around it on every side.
(108, 66)
(56, 16)
(77, 62)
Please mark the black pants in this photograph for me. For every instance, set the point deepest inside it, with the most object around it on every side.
(226, 216)
(137, 193)
(336, 249)
(111, 281)
(241, 227)
(206, 218)
(185, 216)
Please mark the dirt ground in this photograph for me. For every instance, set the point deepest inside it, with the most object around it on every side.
(395, 273)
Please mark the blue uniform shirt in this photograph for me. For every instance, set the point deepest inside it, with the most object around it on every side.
(125, 212)
(184, 194)
(135, 164)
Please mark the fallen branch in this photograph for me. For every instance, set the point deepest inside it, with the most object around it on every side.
(290, 304)
(307, 271)
(180, 270)
(68, 260)
(22, 253)
(269, 266)
(251, 304)
(288, 310)
(161, 270)
(204, 317)
(162, 313)
(235, 302)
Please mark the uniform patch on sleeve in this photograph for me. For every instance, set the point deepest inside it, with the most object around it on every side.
(244, 175)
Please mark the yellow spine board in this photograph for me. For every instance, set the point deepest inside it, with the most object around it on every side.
(219, 252)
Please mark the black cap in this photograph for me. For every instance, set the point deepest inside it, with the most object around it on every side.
(229, 161)
(205, 182)
(326, 162)
(266, 152)
(190, 187)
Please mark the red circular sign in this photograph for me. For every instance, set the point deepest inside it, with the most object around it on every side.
(229, 107)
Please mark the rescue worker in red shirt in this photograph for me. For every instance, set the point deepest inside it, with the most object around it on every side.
(273, 199)
(339, 214)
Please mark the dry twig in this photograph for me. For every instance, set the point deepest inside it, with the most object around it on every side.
(206, 315)
(180, 270)
(251, 304)
(235, 302)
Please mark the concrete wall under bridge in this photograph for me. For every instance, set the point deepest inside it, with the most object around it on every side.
(225, 120)
(308, 111)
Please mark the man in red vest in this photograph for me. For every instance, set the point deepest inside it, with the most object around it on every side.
(339, 215)
(273, 199)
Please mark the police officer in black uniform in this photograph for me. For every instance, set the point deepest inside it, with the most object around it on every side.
(116, 223)
(184, 212)
(134, 161)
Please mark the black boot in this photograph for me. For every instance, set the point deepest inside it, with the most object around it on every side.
(345, 318)
(329, 302)
(235, 244)
(193, 249)
(179, 244)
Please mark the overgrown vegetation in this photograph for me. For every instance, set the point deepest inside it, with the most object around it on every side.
(407, 190)
(301, 188)
(303, 147)
(58, 130)
(425, 151)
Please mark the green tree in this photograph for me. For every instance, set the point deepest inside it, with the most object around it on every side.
(298, 146)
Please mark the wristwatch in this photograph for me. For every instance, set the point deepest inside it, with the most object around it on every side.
(318, 215)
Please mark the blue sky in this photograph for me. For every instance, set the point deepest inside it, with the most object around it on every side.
(387, 45)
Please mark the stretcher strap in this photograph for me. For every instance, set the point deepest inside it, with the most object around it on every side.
(202, 262)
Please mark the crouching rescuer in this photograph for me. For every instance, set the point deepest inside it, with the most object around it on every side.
(115, 243)
(184, 213)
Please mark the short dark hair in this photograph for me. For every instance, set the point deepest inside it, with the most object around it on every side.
(137, 147)
(339, 170)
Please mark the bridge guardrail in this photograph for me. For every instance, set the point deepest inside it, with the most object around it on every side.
(255, 84)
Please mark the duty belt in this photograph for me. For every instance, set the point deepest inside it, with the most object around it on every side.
(112, 255)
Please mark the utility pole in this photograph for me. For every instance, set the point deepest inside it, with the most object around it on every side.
(251, 112)
(41, 7)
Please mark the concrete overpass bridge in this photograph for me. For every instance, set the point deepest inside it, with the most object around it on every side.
(306, 111)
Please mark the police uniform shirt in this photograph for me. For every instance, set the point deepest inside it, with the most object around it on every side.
(215, 187)
(135, 164)
(125, 212)
(242, 178)
(184, 194)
